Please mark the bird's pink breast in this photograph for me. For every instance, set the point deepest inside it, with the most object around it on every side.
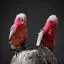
(19, 35)
(49, 35)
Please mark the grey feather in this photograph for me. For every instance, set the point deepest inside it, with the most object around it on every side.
(11, 31)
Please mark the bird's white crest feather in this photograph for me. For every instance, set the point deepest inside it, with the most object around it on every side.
(22, 16)
(53, 18)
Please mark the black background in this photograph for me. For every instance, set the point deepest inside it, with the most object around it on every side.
(37, 12)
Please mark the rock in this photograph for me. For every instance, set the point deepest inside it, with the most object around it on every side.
(37, 55)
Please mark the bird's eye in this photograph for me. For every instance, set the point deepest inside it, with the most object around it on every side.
(22, 19)
(19, 19)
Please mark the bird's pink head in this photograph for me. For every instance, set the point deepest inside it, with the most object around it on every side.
(20, 18)
(51, 21)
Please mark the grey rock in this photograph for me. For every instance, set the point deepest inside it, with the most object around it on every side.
(39, 55)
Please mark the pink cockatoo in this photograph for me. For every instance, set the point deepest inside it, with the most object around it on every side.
(18, 32)
(46, 36)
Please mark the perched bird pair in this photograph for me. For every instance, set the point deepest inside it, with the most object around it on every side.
(19, 33)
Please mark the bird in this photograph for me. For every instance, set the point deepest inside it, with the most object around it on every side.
(18, 32)
(47, 35)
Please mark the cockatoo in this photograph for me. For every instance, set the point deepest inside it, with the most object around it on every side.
(46, 36)
(18, 31)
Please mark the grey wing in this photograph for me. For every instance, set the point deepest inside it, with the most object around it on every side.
(40, 35)
(11, 32)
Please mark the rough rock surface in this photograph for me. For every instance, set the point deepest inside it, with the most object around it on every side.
(37, 55)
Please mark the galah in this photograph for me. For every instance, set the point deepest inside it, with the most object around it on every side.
(18, 31)
(47, 34)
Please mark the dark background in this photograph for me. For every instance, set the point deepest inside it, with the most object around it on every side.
(37, 12)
